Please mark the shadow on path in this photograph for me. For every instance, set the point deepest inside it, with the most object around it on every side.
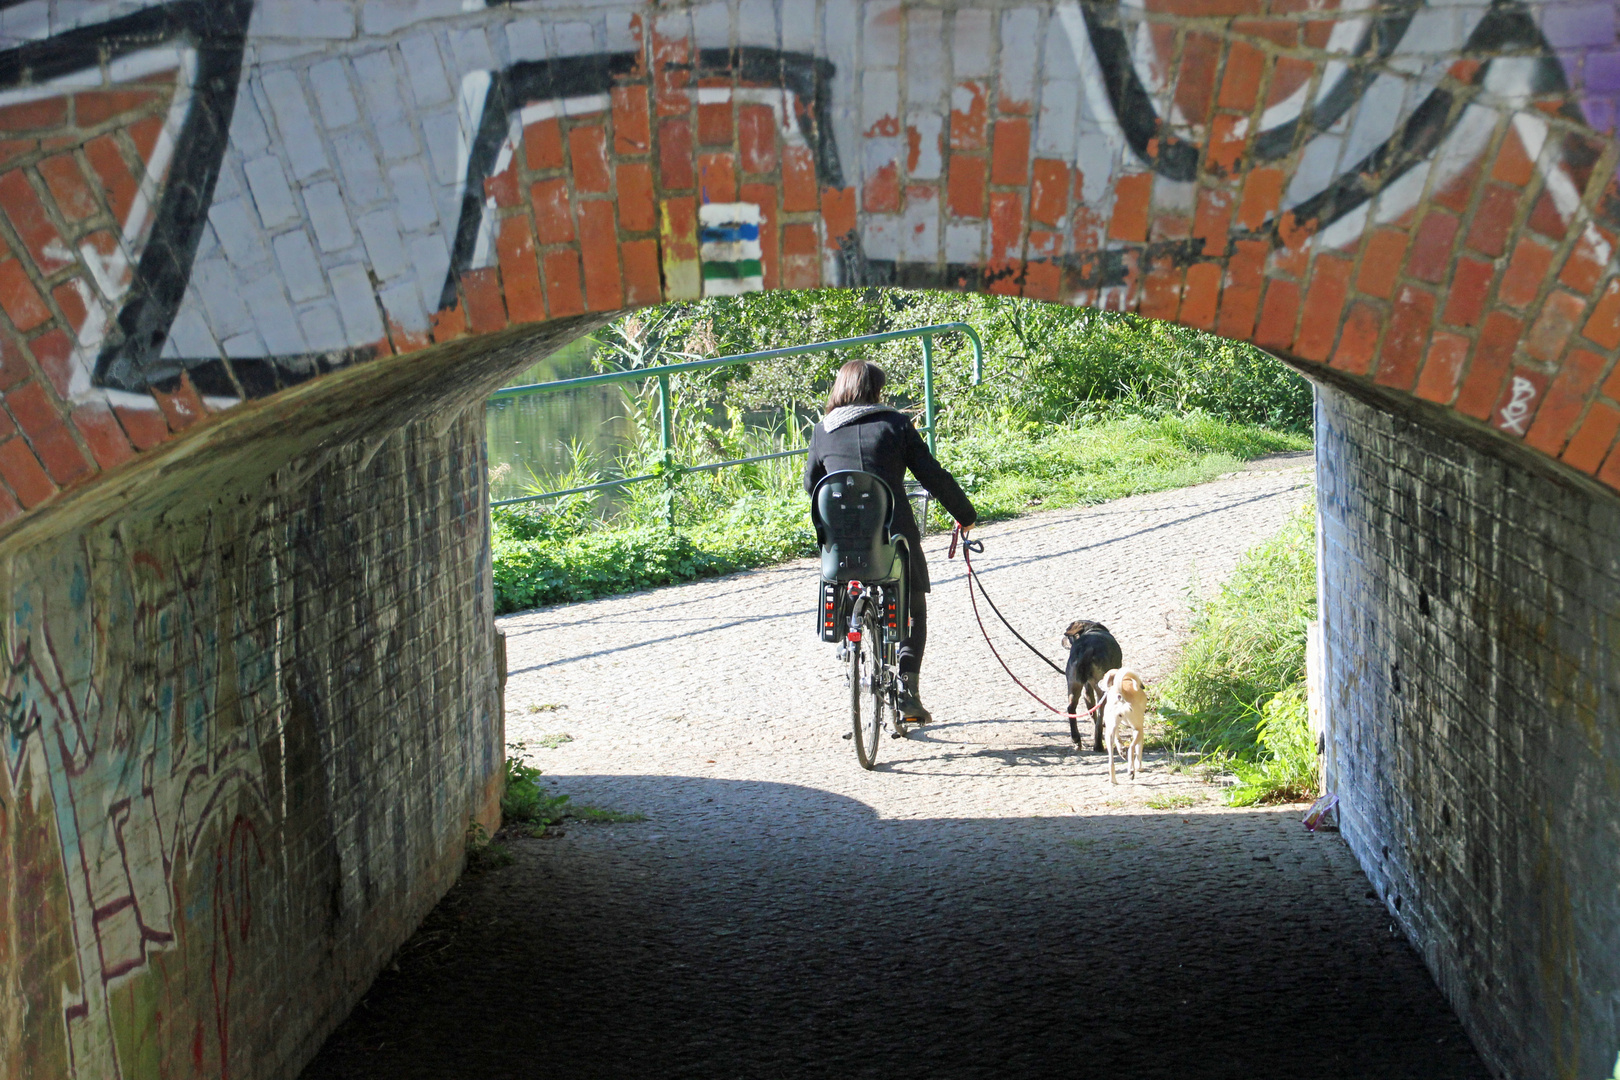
(756, 929)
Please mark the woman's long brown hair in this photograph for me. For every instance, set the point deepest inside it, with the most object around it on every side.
(858, 383)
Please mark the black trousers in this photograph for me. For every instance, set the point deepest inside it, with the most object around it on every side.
(911, 648)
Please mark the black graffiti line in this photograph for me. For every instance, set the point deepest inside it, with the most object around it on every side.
(216, 31)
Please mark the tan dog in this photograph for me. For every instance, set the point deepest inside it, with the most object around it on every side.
(1124, 718)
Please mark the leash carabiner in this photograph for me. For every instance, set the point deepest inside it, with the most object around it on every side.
(975, 546)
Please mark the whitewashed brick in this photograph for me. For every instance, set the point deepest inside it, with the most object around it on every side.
(880, 236)
(383, 245)
(927, 66)
(880, 99)
(929, 128)
(757, 23)
(329, 216)
(189, 336)
(351, 285)
(238, 235)
(330, 19)
(919, 230)
(362, 179)
(248, 134)
(711, 23)
(1020, 44)
(1055, 125)
(471, 51)
(620, 34)
(323, 329)
(798, 27)
(271, 194)
(295, 124)
(387, 16)
(330, 81)
(413, 198)
(880, 34)
(215, 283)
(525, 40)
(964, 244)
(403, 302)
(443, 134)
(273, 316)
(244, 346)
(300, 269)
(385, 104)
(431, 257)
(425, 68)
(574, 38)
(972, 40)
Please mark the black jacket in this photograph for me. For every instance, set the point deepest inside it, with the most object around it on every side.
(887, 443)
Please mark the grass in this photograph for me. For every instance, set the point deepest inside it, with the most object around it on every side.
(558, 554)
(1238, 693)
(1172, 802)
(525, 802)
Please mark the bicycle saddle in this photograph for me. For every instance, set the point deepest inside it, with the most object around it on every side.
(853, 513)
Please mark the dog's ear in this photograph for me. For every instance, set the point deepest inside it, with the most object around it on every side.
(1106, 683)
(1070, 634)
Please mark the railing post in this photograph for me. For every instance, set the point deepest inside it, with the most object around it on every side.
(928, 387)
(666, 439)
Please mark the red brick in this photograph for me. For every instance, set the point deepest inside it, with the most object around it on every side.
(1565, 399)
(1228, 142)
(18, 297)
(837, 215)
(801, 264)
(675, 155)
(32, 408)
(1088, 228)
(10, 508)
(60, 455)
(13, 363)
(969, 127)
(1493, 220)
(599, 243)
(53, 352)
(1465, 297)
(1240, 85)
(22, 472)
(1195, 82)
(1010, 159)
(717, 178)
(520, 278)
(1456, 193)
(714, 117)
(964, 191)
(800, 192)
(1591, 442)
(1042, 244)
(1212, 220)
(101, 432)
(1240, 299)
(1611, 385)
(183, 406)
(1381, 263)
(1560, 314)
(145, 427)
(1006, 224)
(638, 209)
(1604, 325)
(1203, 290)
(39, 115)
(881, 192)
(73, 298)
(553, 217)
(1512, 165)
(543, 145)
(1358, 340)
(764, 197)
(68, 187)
(117, 184)
(1133, 193)
(1526, 271)
(1288, 75)
(1431, 248)
(632, 122)
(1277, 317)
(1493, 355)
(1161, 291)
(449, 323)
(756, 138)
(1049, 191)
(144, 134)
(1330, 288)
(27, 215)
(1262, 190)
(1043, 281)
(1521, 396)
(1584, 268)
(1442, 368)
(642, 283)
(587, 151)
(1545, 218)
(94, 107)
(562, 283)
(486, 312)
(504, 187)
(15, 150)
(1610, 473)
(1408, 335)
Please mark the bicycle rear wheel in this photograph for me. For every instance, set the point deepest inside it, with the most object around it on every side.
(866, 693)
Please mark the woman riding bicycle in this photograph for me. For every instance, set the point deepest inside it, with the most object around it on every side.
(860, 433)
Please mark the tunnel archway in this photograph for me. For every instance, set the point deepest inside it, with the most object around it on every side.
(257, 253)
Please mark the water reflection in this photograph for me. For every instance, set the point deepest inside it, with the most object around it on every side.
(532, 434)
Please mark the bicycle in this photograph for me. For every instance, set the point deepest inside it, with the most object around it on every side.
(863, 598)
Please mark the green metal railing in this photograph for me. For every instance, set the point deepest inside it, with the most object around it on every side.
(662, 374)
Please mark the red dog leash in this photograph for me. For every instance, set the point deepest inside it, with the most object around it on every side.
(969, 546)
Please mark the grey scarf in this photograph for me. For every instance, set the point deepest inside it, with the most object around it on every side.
(845, 413)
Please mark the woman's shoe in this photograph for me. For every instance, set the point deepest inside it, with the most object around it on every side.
(911, 706)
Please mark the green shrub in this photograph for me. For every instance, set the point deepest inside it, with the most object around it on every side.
(524, 800)
(1238, 691)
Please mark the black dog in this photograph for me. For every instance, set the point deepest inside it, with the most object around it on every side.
(1093, 653)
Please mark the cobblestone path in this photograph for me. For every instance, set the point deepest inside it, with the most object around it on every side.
(984, 904)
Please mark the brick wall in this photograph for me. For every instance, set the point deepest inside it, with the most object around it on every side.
(251, 707)
(1472, 625)
(205, 202)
